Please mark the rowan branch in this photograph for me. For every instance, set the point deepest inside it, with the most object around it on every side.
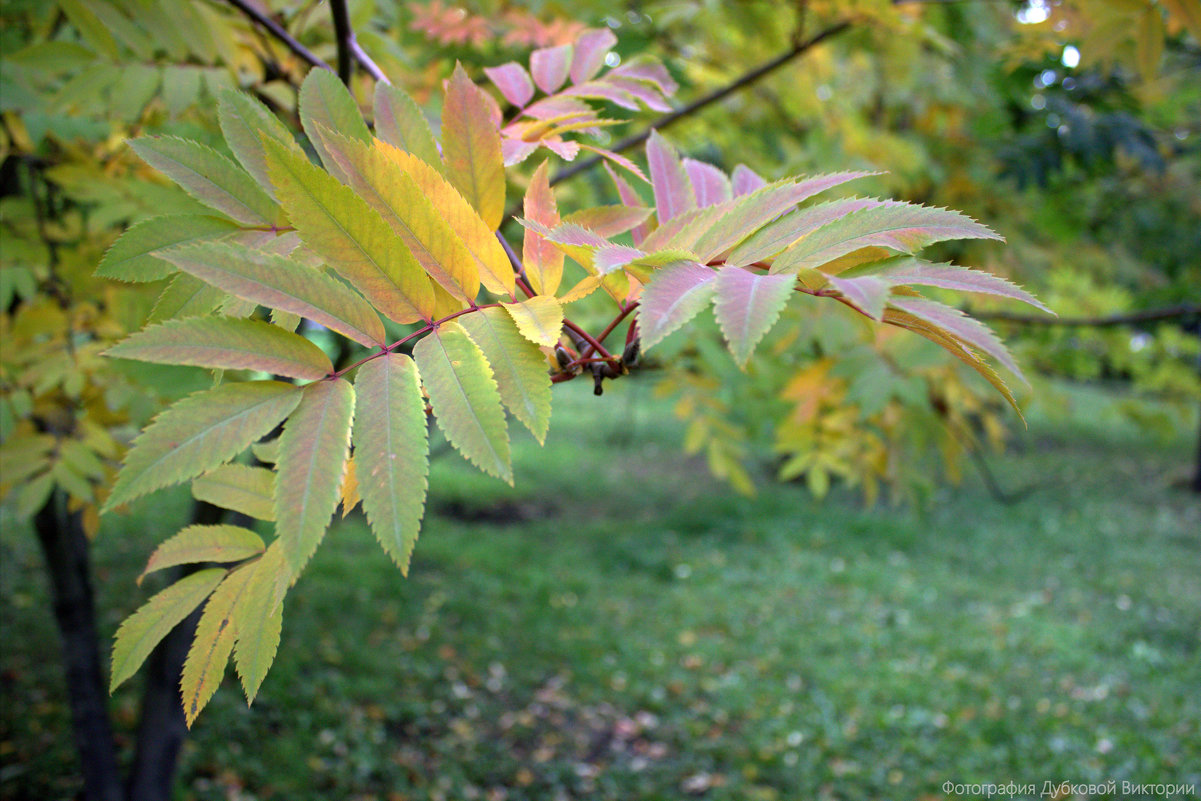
(275, 29)
(349, 49)
(1182, 310)
(744, 80)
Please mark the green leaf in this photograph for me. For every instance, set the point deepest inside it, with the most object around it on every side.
(244, 122)
(405, 206)
(465, 398)
(226, 344)
(145, 628)
(350, 236)
(239, 488)
(282, 283)
(779, 234)
(400, 123)
(213, 643)
(200, 432)
(183, 297)
(898, 226)
(258, 619)
(471, 149)
(130, 257)
(312, 458)
(325, 101)
(747, 305)
(209, 177)
(539, 319)
(391, 451)
(199, 543)
(517, 364)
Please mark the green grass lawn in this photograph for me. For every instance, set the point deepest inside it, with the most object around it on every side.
(621, 626)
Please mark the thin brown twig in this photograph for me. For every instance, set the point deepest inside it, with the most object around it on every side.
(277, 30)
(1179, 311)
(746, 79)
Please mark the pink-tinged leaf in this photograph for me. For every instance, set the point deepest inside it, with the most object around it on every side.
(647, 94)
(542, 260)
(746, 180)
(869, 293)
(620, 161)
(513, 82)
(550, 66)
(609, 221)
(515, 151)
(672, 230)
(632, 199)
(558, 106)
(225, 344)
(569, 234)
(711, 185)
(209, 177)
(955, 347)
(649, 71)
(895, 225)
(776, 236)
(591, 47)
(400, 123)
(915, 272)
(312, 460)
(747, 214)
(611, 258)
(471, 149)
(564, 149)
(284, 284)
(747, 306)
(674, 295)
(673, 190)
(959, 325)
(603, 90)
(391, 451)
(815, 184)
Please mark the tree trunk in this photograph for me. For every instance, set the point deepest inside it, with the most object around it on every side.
(161, 729)
(1197, 474)
(65, 548)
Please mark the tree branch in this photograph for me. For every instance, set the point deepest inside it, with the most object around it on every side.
(1147, 316)
(744, 80)
(276, 30)
(349, 49)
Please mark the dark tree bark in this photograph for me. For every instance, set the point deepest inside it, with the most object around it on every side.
(1197, 473)
(65, 548)
(161, 728)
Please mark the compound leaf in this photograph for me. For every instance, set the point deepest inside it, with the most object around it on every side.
(465, 398)
(226, 344)
(145, 628)
(517, 364)
(391, 452)
(200, 432)
(312, 458)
